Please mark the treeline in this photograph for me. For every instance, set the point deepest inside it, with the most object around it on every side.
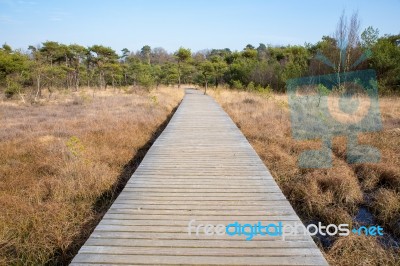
(54, 65)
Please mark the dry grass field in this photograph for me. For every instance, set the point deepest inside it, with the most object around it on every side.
(342, 194)
(63, 160)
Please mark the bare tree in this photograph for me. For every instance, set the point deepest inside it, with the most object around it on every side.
(353, 38)
(347, 37)
(341, 39)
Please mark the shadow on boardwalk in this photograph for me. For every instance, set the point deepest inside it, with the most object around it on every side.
(104, 202)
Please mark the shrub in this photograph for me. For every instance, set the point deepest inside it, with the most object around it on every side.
(236, 84)
(251, 87)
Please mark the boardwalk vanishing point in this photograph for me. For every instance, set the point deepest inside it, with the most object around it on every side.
(200, 168)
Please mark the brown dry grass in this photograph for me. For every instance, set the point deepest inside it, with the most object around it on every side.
(330, 195)
(61, 162)
(360, 250)
(386, 206)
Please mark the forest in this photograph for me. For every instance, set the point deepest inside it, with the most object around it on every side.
(53, 65)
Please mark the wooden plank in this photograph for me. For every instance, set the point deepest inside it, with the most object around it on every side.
(129, 242)
(202, 197)
(133, 205)
(201, 168)
(142, 211)
(173, 223)
(151, 228)
(111, 235)
(211, 217)
(196, 260)
(199, 251)
(215, 204)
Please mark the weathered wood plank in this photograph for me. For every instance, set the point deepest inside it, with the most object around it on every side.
(196, 260)
(211, 217)
(199, 251)
(111, 235)
(215, 204)
(129, 242)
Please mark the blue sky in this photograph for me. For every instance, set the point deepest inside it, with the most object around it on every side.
(193, 24)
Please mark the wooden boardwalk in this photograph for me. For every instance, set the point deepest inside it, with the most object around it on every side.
(203, 168)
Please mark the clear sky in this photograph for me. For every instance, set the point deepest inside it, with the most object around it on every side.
(193, 24)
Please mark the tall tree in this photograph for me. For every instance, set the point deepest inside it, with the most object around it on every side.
(220, 67)
(262, 52)
(160, 56)
(103, 57)
(347, 36)
(38, 68)
(13, 70)
(77, 54)
(52, 51)
(386, 61)
(369, 37)
(207, 70)
(124, 65)
(145, 52)
(125, 53)
(182, 56)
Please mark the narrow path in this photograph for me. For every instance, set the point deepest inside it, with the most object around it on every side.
(201, 168)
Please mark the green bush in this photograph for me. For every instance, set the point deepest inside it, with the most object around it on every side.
(12, 88)
(236, 84)
(250, 86)
(146, 80)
